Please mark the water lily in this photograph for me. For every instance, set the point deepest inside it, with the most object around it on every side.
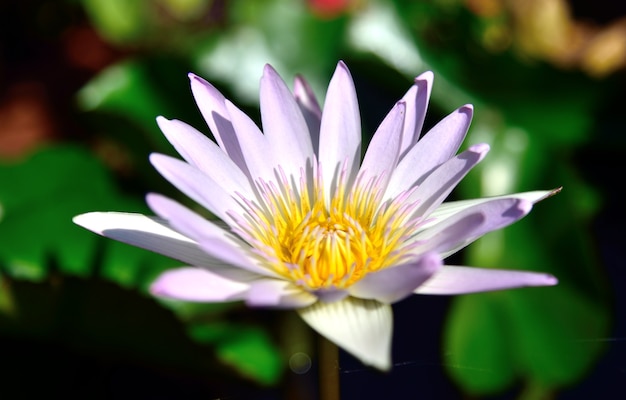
(306, 224)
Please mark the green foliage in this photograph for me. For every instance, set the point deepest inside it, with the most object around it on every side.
(247, 348)
(40, 196)
(40, 244)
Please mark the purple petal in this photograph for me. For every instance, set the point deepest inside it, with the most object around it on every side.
(383, 151)
(204, 154)
(361, 327)
(394, 283)
(278, 294)
(459, 280)
(329, 295)
(416, 100)
(306, 100)
(196, 284)
(448, 234)
(196, 185)
(211, 104)
(457, 231)
(439, 145)
(438, 185)
(283, 123)
(340, 131)
(256, 149)
(450, 208)
(213, 239)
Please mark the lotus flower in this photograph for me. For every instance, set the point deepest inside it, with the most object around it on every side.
(306, 224)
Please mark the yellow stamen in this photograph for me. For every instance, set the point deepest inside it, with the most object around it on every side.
(319, 242)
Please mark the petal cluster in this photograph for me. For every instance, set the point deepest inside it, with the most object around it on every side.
(307, 223)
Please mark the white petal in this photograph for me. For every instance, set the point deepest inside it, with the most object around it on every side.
(384, 148)
(438, 185)
(149, 233)
(450, 208)
(211, 104)
(196, 185)
(213, 239)
(204, 154)
(361, 327)
(340, 131)
(256, 149)
(416, 100)
(457, 231)
(437, 146)
(276, 293)
(196, 284)
(155, 234)
(459, 280)
(310, 110)
(283, 124)
(397, 282)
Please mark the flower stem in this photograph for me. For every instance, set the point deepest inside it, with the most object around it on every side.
(328, 354)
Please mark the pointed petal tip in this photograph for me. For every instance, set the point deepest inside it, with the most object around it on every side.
(156, 289)
(455, 280)
(159, 288)
(193, 77)
(154, 158)
(427, 76)
(551, 193)
(550, 280)
(342, 66)
(480, 148)
(269, 70)
(80, 219)
(381, 365)
(539, 279)
(299, 82)
(197, 82)
(152, 199)
(197, 285)
(467, 108)
(164, 125)
(92, 221)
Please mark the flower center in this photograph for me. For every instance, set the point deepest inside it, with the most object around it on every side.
(322, 241)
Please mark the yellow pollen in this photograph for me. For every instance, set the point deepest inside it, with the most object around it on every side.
(321, 241)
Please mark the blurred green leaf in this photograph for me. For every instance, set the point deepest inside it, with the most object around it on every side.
(186, 9)
(41, 195)
(544, 336)
(121, 105)
(554, 105)
(118, 21)
(137, 91)
(40, 243)
(477, 350)
(246, 348)
(153, 25)
(279, 32)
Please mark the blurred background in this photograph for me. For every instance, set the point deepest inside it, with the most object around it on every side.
(81, 82)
